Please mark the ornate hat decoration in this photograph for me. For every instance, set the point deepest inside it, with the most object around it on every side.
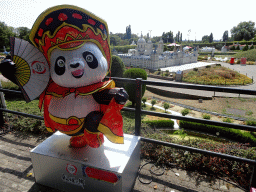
(69, 27)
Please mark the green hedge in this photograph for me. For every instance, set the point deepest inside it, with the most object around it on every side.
(160, 123)
(123, 49)
(233, 134)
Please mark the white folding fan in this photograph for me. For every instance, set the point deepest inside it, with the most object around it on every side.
(32, 71)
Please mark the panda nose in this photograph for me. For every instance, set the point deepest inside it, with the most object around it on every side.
(74, 65)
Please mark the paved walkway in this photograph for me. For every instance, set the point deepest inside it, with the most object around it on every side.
(16, 172)
(248, 69)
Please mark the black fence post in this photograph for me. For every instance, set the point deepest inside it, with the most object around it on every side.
(2, 105)
(138, 106)
(253, 178)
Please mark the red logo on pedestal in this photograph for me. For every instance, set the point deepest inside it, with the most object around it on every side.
(100, 175)
(71, 169)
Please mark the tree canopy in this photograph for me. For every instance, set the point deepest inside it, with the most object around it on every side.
(168, 37)
(243, 31)
(225, 36)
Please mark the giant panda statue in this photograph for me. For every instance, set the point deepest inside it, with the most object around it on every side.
(66, 68)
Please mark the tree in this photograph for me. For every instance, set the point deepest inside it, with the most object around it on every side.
(181, 37)
(23, 33)
(166, 106)
(117, 67)
(245, 48)
(244, 30)
(211, 38)
(128, 33)
(205, 39)
(134, 73)
(225, 36)
(144, 99)
(153, 102)
(167, 37)
(5, 34)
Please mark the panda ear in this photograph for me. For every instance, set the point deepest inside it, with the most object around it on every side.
(32, 70)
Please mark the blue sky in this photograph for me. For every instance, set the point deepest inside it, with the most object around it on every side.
(200, 16)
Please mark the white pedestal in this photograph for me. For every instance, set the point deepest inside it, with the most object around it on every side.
(111, 167)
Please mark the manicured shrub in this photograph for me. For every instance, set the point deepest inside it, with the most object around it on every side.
(144, 99)
(250, 122)
(166, 106)
(160, 123)
(233, 134)
(245, 48)
(153, 102)
(134, 73)
(185, 112)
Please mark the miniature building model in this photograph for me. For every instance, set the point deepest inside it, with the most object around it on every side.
(147, 56)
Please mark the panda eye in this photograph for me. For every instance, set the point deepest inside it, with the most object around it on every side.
(61, 62)
(59, 66)
(90, 59)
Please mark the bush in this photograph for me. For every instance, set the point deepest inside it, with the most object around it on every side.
(134, 73)
(252, 47)
(228, 120)
(250, 55)
(208, 66)
(153, 102)
(250, 122)
(166, 106)
(160, 123)
(144, 99)
(245, 48)
(206, 116)
(233, 134)
(185, 112)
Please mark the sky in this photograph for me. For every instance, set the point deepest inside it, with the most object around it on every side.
(201, 17)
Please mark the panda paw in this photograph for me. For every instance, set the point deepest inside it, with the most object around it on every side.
(121, 96)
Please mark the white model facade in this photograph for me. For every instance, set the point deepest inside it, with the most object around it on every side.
(145, 56)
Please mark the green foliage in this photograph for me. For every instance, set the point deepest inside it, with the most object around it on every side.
(233, 48)
(160, 123)
(225, 36)
(211, 38)
(24, 33)
(117, 67)
(144, 99)
(166, 106)
(134, 73)
(124, 48)
(206, 116)
(233, 134)
(168, 37)
(250, 122)
(153, 102)
(228, 120)
(245, 48)
(185, 111)
(250, 55)
(238, 48)
(5, 33)
(252, 47)
(244, 30)
(181, 133)
(237, 172)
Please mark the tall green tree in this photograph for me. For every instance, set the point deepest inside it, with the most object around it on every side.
(181, 37)
(128, 33)
(168, 37)
(23, 33)
(5, 34)
(244, 30)
(225, 36)
(205, 39)
(211, 38)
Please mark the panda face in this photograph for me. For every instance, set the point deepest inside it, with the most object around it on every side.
(80, 67)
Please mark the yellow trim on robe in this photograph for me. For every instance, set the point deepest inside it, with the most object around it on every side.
(110, 135)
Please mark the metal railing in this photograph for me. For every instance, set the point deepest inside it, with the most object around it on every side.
(138, 112)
